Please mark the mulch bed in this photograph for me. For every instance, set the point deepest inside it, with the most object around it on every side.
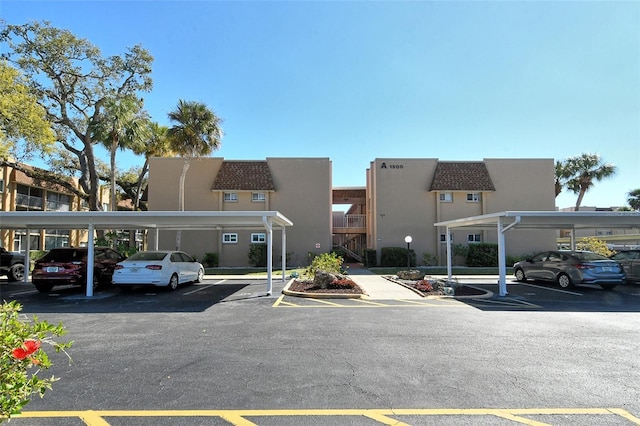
(310, 287)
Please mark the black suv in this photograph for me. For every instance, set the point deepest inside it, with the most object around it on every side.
(11, 265)
(68, 265)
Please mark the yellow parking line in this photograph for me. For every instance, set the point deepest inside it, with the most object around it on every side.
(368, 302)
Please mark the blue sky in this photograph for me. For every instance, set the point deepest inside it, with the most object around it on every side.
(359, 80)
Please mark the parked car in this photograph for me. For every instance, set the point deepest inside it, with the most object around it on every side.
(158, 268)
(568, 268)
(68, 265)
(630, 261)
(11, 265)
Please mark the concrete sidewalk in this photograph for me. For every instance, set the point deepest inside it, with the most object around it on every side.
(378, 287)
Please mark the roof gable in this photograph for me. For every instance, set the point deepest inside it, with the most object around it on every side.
(461, 176)
(243, 176)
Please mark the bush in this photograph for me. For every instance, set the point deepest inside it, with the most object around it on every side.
(482, 255)
(342, 284)
(429, 259)
(396, 256)
(370, 258)
(258, 255)
(22, 358)
(595, 245)
(328, 262)
(210, 260)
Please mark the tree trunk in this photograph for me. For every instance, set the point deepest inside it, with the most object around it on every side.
(114, 147)
(183, 175)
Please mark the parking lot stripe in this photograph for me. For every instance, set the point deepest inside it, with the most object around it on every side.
(551, 289)
(238, 417)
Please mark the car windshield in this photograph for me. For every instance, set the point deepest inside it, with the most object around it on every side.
(587, 256)
(148, 255)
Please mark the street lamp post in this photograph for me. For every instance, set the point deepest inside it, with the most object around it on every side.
(408, 240)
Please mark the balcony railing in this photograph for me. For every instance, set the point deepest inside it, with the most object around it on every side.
(350, 221)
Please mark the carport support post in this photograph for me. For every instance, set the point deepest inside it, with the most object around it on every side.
(27, 260)
(502, 280)
(269, 228)
(90, 255)
(448, 237)
(284, 253)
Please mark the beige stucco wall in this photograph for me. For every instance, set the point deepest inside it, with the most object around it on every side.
(302, 193)
(400, 204)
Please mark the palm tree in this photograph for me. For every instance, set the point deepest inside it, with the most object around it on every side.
(125, 125)
(583, 171)
(633, 198)
(196, 133)
(561, 176)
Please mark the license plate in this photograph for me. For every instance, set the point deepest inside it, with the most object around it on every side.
(607, 269)
(134, 269)
(52, 269)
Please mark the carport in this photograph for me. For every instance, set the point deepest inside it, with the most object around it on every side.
(508, 220)
(153, 221)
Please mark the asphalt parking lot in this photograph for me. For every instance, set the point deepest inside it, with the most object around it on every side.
(222, 352)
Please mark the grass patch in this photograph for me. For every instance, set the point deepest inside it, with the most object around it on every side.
(250, 271)
(440, 270)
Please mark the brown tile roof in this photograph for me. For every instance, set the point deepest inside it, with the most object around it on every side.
(243, 176)
(461, 176)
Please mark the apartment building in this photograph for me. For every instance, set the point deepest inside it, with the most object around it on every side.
(401, 197)
(19, 192)
(299, 188)
(406, 196)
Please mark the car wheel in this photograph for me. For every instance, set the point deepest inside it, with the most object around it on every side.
(200, 275)
(43, 287)
(608, 286)
(173, 282)
(520, 276)
(16, 272)
(564, 281)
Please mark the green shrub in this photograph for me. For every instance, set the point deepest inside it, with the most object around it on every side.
(482, 255)
(429, 259)
(396, 256)
(329, 262)
(210, 260)
(369, 258)
(23, 358)
(258, 255)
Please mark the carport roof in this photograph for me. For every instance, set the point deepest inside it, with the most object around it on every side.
(549, 220)
(169, 220)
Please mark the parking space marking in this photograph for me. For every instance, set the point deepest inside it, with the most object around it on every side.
(363, 303)
(551, 289)
(201, 287)
(383, 416)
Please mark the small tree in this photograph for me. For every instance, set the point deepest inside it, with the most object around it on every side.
(328, 262)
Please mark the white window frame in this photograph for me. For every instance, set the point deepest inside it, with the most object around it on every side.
(230, 197)
(446, 197)
(473, 197)
(258, 238)
(229, 238)
(258, 197)
(443, 238)
(474, 238)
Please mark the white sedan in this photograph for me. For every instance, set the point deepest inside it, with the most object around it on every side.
(159, 268)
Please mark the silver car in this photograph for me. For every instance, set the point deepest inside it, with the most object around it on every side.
(630, 261)
(568, 268)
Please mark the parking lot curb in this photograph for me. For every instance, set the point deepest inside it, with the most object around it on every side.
(488, 294)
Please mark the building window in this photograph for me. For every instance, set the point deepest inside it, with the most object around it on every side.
(58, 202)
(1, 186)
(604, 232)
(258, 197)
(473, 198)
(231, 196)
(228, 238)
(446, 197)
(258, 238)
(474, 238)
(56, 238)
(28, 198)
(443, 238)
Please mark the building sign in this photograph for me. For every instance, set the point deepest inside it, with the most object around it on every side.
(391, 166)
(317, 245)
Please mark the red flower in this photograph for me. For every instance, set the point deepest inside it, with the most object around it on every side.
(20, 353)
(27, 348)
